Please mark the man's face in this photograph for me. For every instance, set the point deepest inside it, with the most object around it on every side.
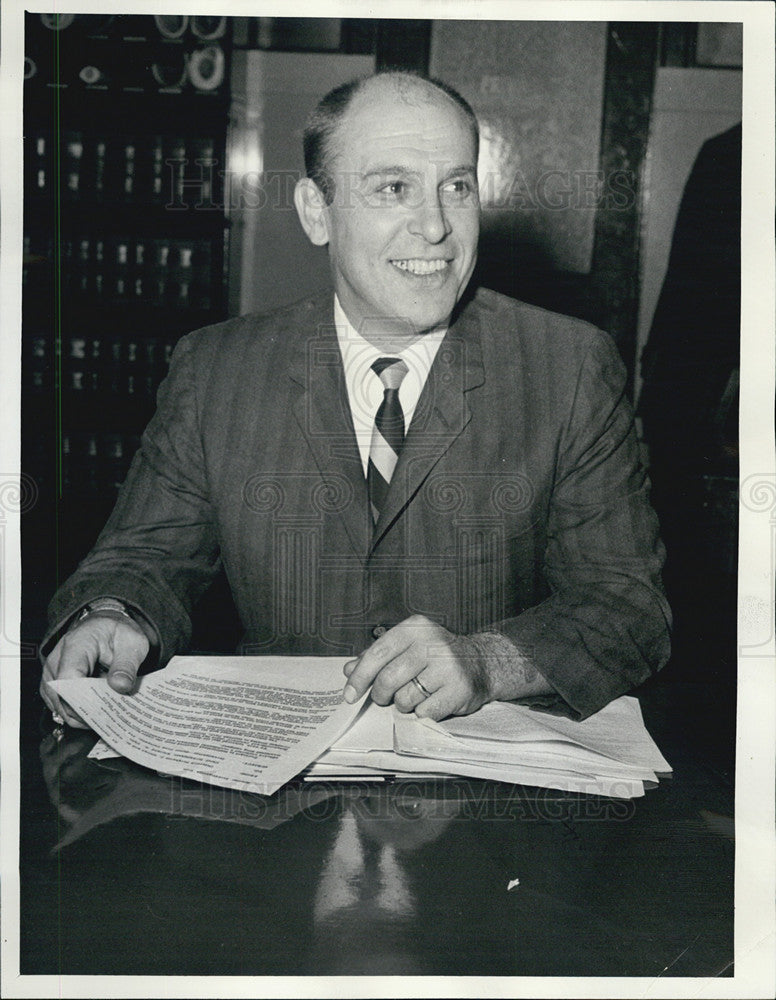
(404, 223)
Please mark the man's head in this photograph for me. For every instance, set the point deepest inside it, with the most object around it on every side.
(327, 115)
(392, 190)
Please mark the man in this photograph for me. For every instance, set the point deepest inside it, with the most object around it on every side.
(503, 548)
(689, 405)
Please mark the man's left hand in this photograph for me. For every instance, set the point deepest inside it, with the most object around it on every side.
(450, 667)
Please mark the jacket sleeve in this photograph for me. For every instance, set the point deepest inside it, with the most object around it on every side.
(158, 551)
(605, 626)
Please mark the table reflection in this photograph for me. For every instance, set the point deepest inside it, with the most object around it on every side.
(87, 793)
(411, 877)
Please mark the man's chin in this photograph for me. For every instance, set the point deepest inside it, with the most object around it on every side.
(402, 314)
(425, 317)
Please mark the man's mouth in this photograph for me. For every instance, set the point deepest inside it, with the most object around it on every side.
(417, 265)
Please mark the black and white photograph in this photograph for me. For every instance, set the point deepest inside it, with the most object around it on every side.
(388, 499)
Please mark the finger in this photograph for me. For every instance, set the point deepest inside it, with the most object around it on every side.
(409, 697)
(73, 656)
(76, 653)
(441, 705)
(79, 651)
(57, 706)
(390, 645)
(71, 717)
(59, 709)
(454, 696)
(349, 667)
(128, 648)
(49, 698)
(398, 674)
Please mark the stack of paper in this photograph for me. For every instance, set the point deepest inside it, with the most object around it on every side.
(247, 722)
(611, 753)
(257, 722)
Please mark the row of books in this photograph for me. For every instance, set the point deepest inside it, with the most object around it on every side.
(93, 364)
(171, 171)
(173, 273)
(92, 463)
(96, 462)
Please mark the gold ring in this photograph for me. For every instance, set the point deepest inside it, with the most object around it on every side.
(421, 687)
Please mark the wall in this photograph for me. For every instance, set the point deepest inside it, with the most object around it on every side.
(689, 107)
(271, 262)
(537, 88)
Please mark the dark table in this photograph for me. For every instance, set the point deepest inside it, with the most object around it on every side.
(127, 872)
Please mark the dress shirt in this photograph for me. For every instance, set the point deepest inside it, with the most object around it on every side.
(365, 390)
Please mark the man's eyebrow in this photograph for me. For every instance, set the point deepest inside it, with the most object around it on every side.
(464, 168)
(384, 171)
(466, 171)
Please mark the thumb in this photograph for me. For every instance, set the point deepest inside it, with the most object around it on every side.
(128, 648)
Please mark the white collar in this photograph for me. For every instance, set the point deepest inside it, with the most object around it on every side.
(358, 354)
(365, 390)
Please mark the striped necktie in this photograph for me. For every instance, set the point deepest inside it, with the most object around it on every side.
(387, 433)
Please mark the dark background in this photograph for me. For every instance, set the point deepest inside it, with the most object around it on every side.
(137, 229)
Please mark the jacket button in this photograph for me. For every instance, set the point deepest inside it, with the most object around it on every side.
(379, 630)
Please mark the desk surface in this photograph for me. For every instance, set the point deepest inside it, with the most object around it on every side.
(125, 872)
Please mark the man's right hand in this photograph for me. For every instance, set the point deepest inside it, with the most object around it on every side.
(100, 640)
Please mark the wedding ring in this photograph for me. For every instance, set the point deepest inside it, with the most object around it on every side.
(421, 687)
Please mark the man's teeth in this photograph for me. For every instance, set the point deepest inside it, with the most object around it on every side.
(420, 266)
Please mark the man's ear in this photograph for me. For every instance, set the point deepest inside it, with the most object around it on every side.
(312, 212)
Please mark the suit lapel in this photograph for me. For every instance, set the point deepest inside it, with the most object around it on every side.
(440, 417)
(323, 414)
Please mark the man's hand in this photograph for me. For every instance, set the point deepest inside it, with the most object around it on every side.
(106, 640)
(450, 667)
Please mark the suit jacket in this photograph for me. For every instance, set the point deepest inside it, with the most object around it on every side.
(694, 344)
(518, 501)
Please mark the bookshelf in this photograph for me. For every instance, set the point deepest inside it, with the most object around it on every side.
(125, 239)
(127, 242)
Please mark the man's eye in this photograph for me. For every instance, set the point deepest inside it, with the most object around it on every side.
(458, 187)
(397, 188)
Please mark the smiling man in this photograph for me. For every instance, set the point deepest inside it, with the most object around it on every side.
(400, 209)
(434, 480)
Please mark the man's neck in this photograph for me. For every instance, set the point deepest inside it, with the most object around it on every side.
(389, 335)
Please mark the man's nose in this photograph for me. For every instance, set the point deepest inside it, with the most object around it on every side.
(429, 220)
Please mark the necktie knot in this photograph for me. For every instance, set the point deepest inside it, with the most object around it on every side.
(391, 371)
